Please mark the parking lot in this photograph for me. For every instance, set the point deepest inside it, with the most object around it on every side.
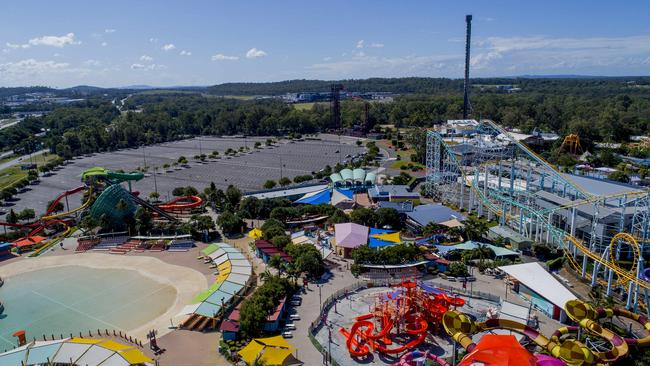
(248, 171)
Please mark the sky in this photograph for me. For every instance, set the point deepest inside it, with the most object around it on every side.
(199, 42)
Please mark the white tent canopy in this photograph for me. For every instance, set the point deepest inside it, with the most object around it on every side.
(536, 278)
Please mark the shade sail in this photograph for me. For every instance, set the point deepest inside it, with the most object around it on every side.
(271, 351)
(316, 198)
(230, 263)
(77, 351)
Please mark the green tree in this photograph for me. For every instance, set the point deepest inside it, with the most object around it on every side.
(475, 228)
(230, 223)
(233, 196)
(269, 184)
(12, 217)
(26, 214)
(364, 216)
(143, 221)
(284, 181)
(388, 218)
(154, 196)
(57, 208)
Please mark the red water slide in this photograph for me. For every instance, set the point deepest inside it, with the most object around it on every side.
(182, 203)
(62, 196)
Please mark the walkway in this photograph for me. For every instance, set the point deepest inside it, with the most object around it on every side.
(310, 310)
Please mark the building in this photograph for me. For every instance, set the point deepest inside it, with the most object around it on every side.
(353, 178)
(273, 321)
(499, 252)
(265, 250)
(392, 193)
(5, 249)
(349, 236)
(512, 238)
(436, 213)
(540, 287)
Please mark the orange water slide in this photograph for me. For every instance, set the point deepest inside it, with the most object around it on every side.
(182, 203)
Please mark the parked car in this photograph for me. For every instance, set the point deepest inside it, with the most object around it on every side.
(294, 317)
(296, 303)
(290, 326)
(287, 335)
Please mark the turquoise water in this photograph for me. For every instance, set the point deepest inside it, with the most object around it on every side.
(64, 300)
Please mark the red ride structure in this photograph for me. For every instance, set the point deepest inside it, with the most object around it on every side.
(410, 311)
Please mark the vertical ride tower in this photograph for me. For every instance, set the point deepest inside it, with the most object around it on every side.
(466, 105)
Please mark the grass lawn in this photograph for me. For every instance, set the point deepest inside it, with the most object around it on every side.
(13, 174)
(399, 163)
(306, 106)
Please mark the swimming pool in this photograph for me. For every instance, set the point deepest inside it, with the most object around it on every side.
(70, 299)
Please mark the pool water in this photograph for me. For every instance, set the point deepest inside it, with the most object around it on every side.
(70, 299)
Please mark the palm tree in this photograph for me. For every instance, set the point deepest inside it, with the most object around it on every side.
(265, 275)
(277, 263)
(121, 205)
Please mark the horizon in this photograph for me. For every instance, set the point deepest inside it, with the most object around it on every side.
(120, 44)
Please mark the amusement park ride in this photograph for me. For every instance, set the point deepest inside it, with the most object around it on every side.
(510, 182)
(413, 310)
(103, 190)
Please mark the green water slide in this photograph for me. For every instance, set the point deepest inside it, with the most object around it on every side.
(114, 177)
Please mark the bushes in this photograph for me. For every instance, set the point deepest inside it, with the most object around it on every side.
(396, 254)
(230, 223)
(258, 307)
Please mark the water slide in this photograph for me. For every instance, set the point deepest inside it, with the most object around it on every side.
(460, 327)
(182, 203)
(52, 206)
(50, 216)
(153, 208)
(417, 358)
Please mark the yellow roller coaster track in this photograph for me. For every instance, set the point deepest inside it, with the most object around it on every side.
(82, 207)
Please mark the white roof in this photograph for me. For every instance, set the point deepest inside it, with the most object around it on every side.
(536, 278)
(94, 356)
(188, 309)
(70, 351)
(115, 360)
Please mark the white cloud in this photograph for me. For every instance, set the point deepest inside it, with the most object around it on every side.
(185, 53)
(110, 30)
(104, 44)
(255, 53)
(29, 67)
(377, 45)
(149, 67)
(168, 47)
(565, 54)
(54, 41)
(15, 46)
(153, 40)
(92, 62)
(360, 44)
(222, 57)
(327, 58)
(361, 65)
(146, 58)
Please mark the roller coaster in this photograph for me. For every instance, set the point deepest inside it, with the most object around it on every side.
(604, 237)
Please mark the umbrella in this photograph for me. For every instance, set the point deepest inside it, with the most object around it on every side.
(77, 351)
(255, 233)
(271, 351)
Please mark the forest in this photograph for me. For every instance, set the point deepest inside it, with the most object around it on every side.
(153, 117)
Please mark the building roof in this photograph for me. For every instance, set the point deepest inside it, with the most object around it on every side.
(469, 245)
(401, 207)
(536, 278)
(286, 192)
(31, 240)
(599, 187)
(507, 232)
(277, 311)
(271, 250)
(350, 235)
(433, 213)
(316, 198)
(380, 238)
(392, 191)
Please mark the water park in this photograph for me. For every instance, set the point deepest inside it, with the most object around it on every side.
(475, 267)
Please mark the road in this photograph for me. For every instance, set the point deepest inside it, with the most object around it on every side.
(20, 159)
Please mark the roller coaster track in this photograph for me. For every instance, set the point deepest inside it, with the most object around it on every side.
(495, 201)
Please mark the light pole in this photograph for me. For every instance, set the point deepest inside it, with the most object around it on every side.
(320, 298)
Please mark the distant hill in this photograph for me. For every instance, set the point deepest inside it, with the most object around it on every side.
(6, 92)
(559, 84)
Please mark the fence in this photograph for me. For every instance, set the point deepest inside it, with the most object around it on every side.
(315, 326)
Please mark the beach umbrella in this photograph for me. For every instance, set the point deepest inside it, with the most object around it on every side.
(255, 234)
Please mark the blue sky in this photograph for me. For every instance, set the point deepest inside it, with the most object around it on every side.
(162, 43)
